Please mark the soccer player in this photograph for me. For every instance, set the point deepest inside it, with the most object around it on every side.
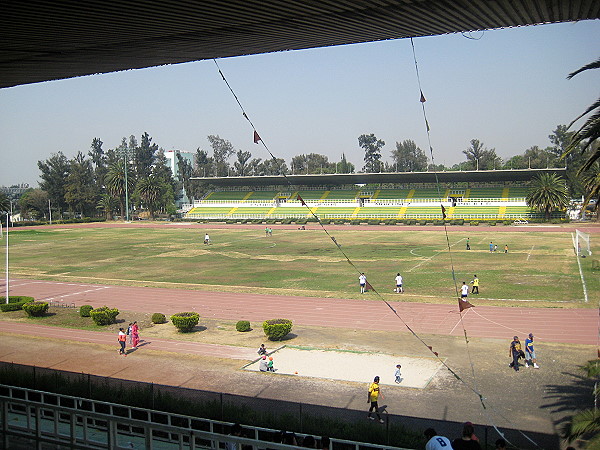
(475, 284)
(464, 292)
(362, 280)
(398, 283)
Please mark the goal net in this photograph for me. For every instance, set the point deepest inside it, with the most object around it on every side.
(582, 244)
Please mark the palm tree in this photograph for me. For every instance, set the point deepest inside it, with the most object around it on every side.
(548, 192)
(150, 191)
(590, 130)
(107, 204)
(115, 184)
(586, 423)
(591, 183)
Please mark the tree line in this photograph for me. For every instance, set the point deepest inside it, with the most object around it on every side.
(103, 182)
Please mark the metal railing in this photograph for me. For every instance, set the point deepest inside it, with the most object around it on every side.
(361, 216)
(83, 423)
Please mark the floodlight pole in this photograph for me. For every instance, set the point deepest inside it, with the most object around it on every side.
(7, 280)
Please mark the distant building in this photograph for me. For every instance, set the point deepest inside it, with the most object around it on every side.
(172, 159)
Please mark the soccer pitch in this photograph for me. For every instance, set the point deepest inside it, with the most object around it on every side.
(539, 268)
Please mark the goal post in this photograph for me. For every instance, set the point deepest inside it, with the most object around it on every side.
(582, 244)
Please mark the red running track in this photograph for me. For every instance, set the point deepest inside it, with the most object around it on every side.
(576, 326)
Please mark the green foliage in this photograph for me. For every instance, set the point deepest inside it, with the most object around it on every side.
(492, 223)
(423, 222)
(158, 318)
(438, 222)
(277, 329)
(547, 193)
(35, 309)
(104, 315)
(474, 223)
(84, 310)
(243, 325)
(457, 222)
(185, 321)
(373, 222)
(15, 302)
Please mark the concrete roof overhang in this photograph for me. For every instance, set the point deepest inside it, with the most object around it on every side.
(45, 40)
(475, 176)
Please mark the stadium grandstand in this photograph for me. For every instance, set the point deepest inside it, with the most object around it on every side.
(472, 195)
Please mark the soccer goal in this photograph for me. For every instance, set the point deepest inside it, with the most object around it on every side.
(582, 244)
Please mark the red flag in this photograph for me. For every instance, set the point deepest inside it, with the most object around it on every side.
(301, 200)
(423, 100)
(256, 137)
(463, 304)
(368, 286)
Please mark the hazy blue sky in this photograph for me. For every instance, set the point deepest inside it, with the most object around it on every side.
(507, 89)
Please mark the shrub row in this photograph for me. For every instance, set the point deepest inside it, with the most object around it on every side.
(15, 302)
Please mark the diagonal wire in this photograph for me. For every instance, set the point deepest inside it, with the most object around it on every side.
(316, 217)
(437, 181)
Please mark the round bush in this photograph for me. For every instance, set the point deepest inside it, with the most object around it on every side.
(104, 315)
(277, 329)
(242, 325)
(35, 309)
(158, 318)
(185, 321)
(84, 310)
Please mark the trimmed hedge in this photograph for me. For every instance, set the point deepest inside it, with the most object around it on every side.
(159, 318)
(185, 321)
(15, 302)
(84, 310)
(243, 325)
(35, 309)
(277, 329)
(104, 315)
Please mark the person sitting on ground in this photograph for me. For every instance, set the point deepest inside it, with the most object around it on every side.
(262, 350)
(270, 367)
(435, 442)
(263, 365)
(466, 442)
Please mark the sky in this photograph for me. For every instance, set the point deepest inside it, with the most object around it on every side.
(507, 88)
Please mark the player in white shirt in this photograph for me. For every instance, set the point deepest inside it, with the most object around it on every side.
(362, 280)
(398, 284)
(464, 291)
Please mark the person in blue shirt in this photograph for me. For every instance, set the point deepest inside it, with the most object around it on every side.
(530, 359)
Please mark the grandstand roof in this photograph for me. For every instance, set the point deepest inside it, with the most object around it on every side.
(479, 176)
(45, 40)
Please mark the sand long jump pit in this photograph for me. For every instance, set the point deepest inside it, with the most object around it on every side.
(360, 367)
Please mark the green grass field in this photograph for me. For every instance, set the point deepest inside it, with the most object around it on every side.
(540, 268)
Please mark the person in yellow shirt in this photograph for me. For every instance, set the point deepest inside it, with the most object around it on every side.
(374, 393)
(475, 283)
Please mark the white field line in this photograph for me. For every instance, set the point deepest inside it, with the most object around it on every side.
(585, 294)
(433, 256)
(77, 293)
(529, 253)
